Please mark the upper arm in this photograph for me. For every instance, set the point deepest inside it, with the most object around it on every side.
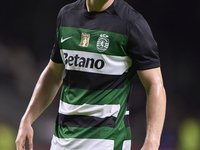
(56, 70)
(151, 77)
(57, 67)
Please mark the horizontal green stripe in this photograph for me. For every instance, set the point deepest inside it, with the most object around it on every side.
(117, 42)
(78, 96)
(91, 132)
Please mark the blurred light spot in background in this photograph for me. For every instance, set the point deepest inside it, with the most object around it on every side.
(189, 135)
(7, 137)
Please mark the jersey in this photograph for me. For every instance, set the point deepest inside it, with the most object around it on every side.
(101, 52)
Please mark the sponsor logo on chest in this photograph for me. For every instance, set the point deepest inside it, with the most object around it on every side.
(80, 61)
(94, 62)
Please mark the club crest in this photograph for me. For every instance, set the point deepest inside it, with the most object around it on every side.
(102, 43)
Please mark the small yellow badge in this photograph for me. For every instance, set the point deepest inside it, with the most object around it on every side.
(85, 38)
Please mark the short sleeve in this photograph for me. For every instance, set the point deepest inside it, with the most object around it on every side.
(55, 53)
(141, 47)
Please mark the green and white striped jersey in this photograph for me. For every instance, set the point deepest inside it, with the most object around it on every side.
(101, 52)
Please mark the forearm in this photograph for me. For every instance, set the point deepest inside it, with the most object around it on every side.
(155, 107)
(44, 92)
(155, 112)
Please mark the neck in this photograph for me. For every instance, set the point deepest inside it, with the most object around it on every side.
(98, 5)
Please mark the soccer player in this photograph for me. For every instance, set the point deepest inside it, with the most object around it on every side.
(100, 46)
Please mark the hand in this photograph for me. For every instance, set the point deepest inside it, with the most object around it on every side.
(25, 133)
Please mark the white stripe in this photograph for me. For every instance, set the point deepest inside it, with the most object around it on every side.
(81, 144)
(114, 65)
(100, 111)
(126, 145)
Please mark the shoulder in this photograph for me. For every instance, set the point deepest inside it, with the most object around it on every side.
(70, 7)
(126, 12)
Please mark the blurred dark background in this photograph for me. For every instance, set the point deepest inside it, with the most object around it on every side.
(27, 33)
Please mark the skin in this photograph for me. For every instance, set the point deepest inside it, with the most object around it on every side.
(155, 107)
(44, 93)
(51, 79)
(98, 5)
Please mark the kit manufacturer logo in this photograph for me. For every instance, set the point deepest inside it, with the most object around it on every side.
(64, 39)
(85, 38)
(103, 43)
